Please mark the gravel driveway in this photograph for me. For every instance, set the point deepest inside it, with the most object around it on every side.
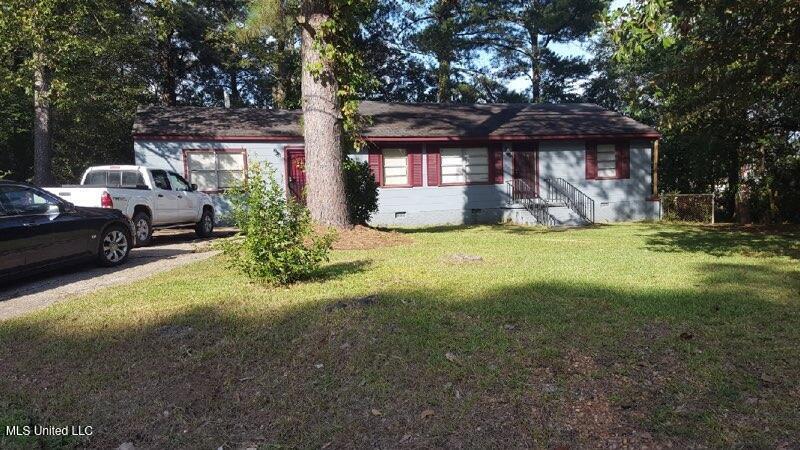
(170, 249)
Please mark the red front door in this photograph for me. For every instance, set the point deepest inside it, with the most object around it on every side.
(296, 172)
(525, 166)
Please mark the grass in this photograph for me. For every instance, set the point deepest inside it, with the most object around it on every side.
(630, 335)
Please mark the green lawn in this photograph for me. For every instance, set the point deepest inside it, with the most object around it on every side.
(639, 334)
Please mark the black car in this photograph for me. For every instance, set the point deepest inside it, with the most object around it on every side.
(39, 230)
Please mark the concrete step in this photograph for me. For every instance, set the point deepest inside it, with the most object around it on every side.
(566, 217)
(561, 217)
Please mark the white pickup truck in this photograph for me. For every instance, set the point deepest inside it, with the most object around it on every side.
(151, 198)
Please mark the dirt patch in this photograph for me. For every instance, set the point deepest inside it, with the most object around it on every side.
(366, 238)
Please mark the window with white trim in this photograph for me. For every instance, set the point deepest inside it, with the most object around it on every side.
(465, 165)
(213, 170)
(606, 161)
(395, 167)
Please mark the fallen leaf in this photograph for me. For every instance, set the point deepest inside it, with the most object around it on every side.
(425, 414)
(376, 412)
(451, 357)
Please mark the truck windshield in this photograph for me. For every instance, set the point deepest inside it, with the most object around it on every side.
(115, 178)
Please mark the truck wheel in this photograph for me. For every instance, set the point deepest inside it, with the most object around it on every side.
(143, 228)
(115, 246)
(205, 227)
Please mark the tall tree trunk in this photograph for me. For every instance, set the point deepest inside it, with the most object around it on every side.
(536, 68)
(743, 194)
(42, 144)
(322, 125)
(233, 81)
(169, 83)
(739, 197)
(443, 81)
(281, 88)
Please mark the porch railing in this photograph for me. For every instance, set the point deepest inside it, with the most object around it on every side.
(560, 190)
(523, 193)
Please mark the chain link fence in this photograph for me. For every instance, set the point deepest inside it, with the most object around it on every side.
(688, 207)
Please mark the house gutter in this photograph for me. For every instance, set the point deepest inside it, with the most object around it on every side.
(503, 138)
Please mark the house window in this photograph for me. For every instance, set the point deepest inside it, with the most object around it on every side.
(215, 170)
(395, 167)
(465, 165)
(606, 161)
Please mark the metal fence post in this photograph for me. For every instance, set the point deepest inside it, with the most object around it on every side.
(712, 209)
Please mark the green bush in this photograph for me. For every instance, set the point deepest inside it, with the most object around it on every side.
(361, 190)
(276, 242)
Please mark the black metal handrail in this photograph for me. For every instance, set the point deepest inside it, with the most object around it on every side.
(521, 192)
(560, 190)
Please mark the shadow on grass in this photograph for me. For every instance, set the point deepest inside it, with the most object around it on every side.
(520, 365)
(726, 240)
(341, 269)
(433, 229)
(505, 227)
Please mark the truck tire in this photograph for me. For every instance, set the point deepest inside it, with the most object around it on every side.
(205, 227)
(115, 246)
(143, 227)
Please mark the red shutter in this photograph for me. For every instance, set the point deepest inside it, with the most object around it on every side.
(376, 165)
(415, 165)
(496, 163)
(434, 168)
(623, 158)
(591, 161)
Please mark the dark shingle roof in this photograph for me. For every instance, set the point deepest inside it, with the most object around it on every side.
(405, 120)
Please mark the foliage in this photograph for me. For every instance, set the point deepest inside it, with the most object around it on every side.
(361, 190)
(445, 30)
(520, 33)
(721, 81)
(89, 52)
(337, 40)
(276, 243)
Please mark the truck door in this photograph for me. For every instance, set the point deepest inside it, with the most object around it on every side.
(166, 200)
(187, 207)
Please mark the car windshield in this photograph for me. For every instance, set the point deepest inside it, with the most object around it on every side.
(15, 200)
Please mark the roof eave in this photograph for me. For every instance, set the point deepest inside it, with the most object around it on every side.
(508, 137)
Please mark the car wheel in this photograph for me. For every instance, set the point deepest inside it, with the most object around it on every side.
(143, 228)
(115, 246)
(205, 227)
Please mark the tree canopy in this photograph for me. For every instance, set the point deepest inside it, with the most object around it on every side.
(720, 80)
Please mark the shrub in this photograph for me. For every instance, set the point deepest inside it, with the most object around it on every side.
(361, 190)
(276, 242)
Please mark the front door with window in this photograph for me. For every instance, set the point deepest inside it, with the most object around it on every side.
(296, 173)
(525, 166)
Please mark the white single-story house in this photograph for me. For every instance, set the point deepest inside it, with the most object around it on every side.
(436, 164)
